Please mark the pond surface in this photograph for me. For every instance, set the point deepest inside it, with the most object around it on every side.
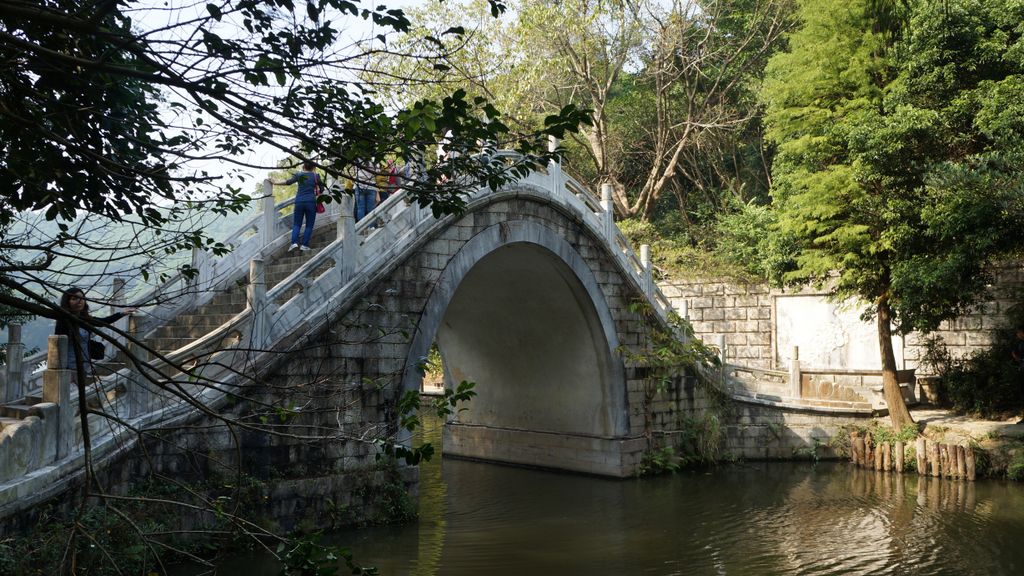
(752, 518)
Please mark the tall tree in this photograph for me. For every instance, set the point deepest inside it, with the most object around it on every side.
(670, 86)
(893, 170)
(702, 63)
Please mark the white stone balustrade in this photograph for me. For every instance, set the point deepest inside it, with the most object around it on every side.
(138, 389)
(14, 372)
(57, 390)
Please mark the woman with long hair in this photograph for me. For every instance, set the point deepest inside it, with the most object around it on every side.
(73, 301)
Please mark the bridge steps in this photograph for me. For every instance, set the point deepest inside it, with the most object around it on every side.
(189, 327)
(16, 411)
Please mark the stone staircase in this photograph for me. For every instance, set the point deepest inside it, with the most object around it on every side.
(231, 301)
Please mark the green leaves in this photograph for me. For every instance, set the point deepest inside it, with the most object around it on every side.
(105, 115)
(886, 173)
(447, 404)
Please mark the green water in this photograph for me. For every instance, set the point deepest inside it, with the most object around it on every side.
(753, 518)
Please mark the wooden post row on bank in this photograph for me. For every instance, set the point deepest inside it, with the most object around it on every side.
(925, 461)
(932, 458)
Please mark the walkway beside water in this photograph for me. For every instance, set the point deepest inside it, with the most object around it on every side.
(965, 426)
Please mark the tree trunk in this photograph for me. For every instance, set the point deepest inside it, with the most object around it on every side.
(898, 412)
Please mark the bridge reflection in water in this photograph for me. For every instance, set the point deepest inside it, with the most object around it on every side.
(754, 518)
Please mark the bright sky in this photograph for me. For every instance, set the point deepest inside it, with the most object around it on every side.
(151, 15)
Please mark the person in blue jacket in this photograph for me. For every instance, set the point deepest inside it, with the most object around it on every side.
(309, 186)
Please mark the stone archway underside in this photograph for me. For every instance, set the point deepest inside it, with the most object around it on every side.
(522, 328)
(518, 312)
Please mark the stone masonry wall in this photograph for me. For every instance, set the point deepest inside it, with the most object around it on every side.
(759, 432)
(286, 482)
(748, 431)
(740, 314)
(745, 316)
(977, 330)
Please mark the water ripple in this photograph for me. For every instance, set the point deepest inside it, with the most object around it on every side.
(750, 520)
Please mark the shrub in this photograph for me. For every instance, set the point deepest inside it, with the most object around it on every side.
(659, 461)
(747, 238)
(1015, 471)
(986, 383)
(675, 253)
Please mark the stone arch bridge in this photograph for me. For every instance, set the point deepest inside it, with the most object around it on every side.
(529, 293)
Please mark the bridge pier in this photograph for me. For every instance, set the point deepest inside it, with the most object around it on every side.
(615, 457)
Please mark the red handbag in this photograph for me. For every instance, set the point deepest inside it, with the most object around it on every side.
(317, 189)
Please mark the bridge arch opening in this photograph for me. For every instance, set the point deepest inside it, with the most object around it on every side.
(522, 327)
(519, 312)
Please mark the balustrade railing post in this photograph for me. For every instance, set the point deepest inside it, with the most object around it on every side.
(201, 265)
(256, 298)
(608, 214)
(647, 275)
(684, 310)
(15, 365)
(335, 206)
(555, 168)
(117, 304)
(269, 223)
(57, 389)
(349, 240)
(681, 332)
(138, 388)
(794, 372)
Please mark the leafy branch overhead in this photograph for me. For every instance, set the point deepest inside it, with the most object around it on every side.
(109, 107)
(408, 407)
